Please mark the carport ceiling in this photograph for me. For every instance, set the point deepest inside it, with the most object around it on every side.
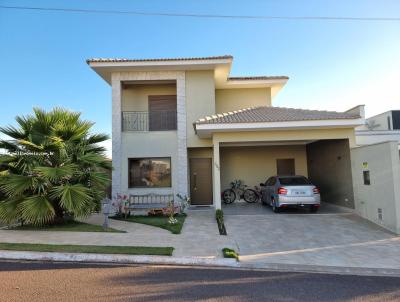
(280, 143)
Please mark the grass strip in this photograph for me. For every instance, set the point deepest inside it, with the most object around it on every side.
(230, 253)
(68, 226)
(157, 221)
(98, 249)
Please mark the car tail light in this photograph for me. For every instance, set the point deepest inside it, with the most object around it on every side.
(282, 191)
(316, 190)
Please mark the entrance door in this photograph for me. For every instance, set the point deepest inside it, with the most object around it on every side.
(201, 181)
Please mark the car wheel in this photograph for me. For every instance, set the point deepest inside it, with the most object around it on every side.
(313, 209)
(275, 209)
(228, 196)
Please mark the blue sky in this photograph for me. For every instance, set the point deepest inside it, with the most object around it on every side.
(332, 65)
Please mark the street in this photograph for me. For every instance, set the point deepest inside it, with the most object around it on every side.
(35, 281)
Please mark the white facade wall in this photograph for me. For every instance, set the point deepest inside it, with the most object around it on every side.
(148, 144)
(383, 194)
(366, 137)
(380, 121)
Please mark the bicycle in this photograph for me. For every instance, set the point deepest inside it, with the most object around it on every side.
(239, 190)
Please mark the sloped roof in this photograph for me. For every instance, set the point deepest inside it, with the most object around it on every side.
(274, 114)
(107, 60)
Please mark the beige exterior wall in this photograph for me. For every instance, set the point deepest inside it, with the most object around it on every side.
(200, 153)
(135, 98)
(200, 102)
(256, 164)
(286, 135)
(233, 99)
(147, 144)
(383, 163)
(329, 168)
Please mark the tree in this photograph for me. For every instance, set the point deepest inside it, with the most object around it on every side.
(52, 166)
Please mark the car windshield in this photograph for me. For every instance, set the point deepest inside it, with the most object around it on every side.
(294, 181)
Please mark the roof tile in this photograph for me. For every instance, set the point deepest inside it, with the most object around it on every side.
(111, 60)
(274, 114)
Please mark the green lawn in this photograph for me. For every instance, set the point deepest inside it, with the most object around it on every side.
(128, 250)
(157, 221)
(70, 226)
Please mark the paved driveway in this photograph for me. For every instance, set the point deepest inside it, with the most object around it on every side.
(332, 237)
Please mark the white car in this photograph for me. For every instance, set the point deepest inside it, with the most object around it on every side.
(290, 191)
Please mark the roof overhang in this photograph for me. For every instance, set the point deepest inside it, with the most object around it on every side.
(206, 130)
(104, 68)
(221, 65)
(275, 84)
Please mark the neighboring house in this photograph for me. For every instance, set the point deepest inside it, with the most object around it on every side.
(186, 126)
(380, 128)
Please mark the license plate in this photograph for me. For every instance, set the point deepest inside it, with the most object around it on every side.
(299, 192)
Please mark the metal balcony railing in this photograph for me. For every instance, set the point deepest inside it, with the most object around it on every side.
(160, 120)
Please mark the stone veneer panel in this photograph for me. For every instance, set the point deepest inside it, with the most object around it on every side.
(179, 76)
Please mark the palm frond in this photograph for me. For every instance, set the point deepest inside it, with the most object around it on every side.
(10, 146)
(96, 160)
(9, 212)
(97, 138)
(14, 185)
(36, 209)
(55, 174)
(13, 132)
(73, 198)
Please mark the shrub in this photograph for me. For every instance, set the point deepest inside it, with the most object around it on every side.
(230, 253)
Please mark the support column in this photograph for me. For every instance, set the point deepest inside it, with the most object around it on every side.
(216, 177)
(182, 187)
(116, 133)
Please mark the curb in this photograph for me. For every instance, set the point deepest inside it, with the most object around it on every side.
(323, 269)
(195, 261)
(117, 258)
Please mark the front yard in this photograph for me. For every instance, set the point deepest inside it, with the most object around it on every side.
(157, 221)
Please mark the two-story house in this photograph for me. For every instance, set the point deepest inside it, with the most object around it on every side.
(184, 125)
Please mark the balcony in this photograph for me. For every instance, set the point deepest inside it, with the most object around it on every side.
(158, 120)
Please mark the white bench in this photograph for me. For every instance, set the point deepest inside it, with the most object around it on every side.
(150, 201)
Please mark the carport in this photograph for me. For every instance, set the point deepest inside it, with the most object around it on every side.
(325, 162)
(254, 144)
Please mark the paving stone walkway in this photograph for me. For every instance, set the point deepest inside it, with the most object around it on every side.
(335, 237)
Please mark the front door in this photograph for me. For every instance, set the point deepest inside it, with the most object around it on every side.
(201, 181)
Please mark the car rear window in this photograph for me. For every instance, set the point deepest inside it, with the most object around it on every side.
(294, 181)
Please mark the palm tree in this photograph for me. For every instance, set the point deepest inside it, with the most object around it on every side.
(53, 166)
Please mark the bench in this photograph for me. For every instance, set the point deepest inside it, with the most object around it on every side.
(150, 201)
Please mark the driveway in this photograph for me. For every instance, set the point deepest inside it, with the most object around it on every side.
(333, 237)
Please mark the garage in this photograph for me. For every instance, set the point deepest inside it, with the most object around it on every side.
(325, 162)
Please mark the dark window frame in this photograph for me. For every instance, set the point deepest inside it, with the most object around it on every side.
(132, 159)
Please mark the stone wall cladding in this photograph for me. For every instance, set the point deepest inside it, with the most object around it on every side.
(179, 76)
(116, 133)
